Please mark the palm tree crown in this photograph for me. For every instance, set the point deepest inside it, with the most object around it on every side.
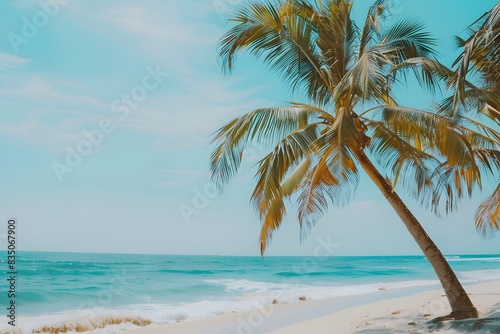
(348, 73)
(342, 68)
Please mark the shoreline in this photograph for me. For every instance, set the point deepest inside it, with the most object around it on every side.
(390, 311)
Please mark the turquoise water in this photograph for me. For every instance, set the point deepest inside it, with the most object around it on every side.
(166, 288)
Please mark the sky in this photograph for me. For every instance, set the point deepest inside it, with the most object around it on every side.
(107, 109)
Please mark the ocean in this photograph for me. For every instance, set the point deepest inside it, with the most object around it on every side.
(118, 290)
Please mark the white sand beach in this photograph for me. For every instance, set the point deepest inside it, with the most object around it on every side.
(407, 314)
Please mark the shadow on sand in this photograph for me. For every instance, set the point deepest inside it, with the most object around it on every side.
(489, 324)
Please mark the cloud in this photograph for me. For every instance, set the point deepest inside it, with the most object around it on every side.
(166, 31)
(9, 62)
(40, 110)
(50, 110)
(195, 112)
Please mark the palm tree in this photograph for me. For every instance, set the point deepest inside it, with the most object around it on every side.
(348, 73)
(480, 56)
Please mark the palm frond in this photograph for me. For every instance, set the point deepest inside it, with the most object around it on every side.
(484, 135)
(365, 80)
(276, 210)
(285, 38)
(271, 222)
(295, 179)
(463, 151)
(481, 54)
(473, 99)
(313, 198)
(409, 38)
(487, 218)
(337, 36)
(434, 132)
(454, 182)
(287, 154)
(488, 160)
(371, 28)
(335, 175)
(264, 126)
(428, 72)
(403, 159)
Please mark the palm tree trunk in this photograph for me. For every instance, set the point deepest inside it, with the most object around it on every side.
(461, 305)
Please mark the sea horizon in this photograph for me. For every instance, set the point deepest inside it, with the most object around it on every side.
(259, 256)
